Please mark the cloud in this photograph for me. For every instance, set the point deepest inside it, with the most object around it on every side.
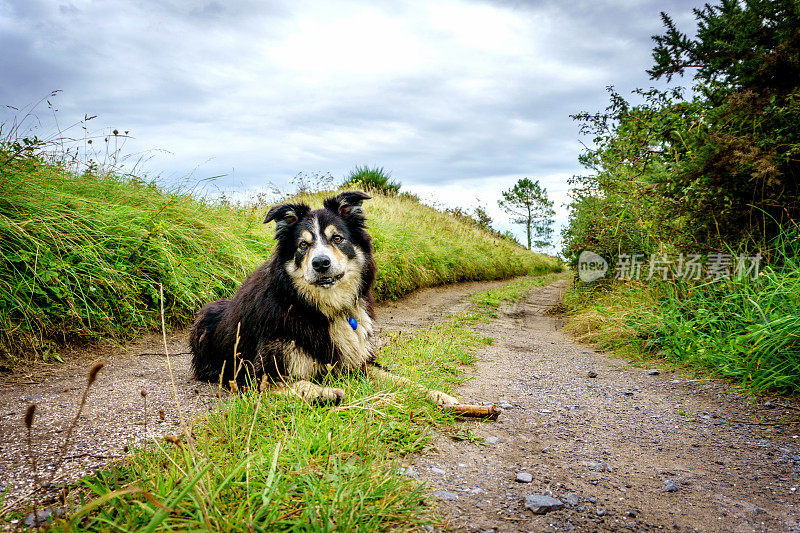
(459, 97)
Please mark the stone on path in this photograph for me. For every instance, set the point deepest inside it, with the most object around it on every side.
(524, 477)
(670, 486)
(541, 504)
(445, 495)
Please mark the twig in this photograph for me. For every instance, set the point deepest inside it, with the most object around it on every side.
(189, 440)
(93, 455)
(143, 354)
(785, 406)
(753, 423)
(247, 447)
(29, 412)
(169, 364)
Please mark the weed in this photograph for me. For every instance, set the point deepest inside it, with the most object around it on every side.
(372, 179)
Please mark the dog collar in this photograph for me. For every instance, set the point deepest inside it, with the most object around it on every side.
(353, 323)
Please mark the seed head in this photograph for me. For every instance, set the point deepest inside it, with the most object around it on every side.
(143, 393)
(29, 415)
(98, 366)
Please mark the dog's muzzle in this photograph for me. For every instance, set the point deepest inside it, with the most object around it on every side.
(328, 281)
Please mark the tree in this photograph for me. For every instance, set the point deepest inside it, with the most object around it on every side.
(482, 217)
(701, 170)
(743, 166)
(527, 203)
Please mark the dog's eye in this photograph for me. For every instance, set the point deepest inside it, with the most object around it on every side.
(337, 239)
(303, 245)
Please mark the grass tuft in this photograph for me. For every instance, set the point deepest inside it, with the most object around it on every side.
(744, 330)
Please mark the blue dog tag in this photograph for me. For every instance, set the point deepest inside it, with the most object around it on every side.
(353, 323)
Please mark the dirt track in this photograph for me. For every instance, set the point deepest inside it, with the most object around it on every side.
(115, 413)
(609, 442)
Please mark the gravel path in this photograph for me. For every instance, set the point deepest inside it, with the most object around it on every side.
(618, 446)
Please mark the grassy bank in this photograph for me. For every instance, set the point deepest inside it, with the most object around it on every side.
(746, 331)
(82, 256)
(262, 462)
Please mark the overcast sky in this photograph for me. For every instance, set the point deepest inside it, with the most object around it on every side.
(459, 99)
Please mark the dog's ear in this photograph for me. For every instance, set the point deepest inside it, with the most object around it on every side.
(286, 215)
(347, 204)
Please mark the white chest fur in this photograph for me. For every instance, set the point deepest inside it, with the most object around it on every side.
(354, 345)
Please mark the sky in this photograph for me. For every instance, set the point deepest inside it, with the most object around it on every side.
(458, 99)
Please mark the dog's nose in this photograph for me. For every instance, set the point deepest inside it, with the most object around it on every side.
(321, 263)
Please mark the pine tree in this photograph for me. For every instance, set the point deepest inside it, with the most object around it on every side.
(527, 203)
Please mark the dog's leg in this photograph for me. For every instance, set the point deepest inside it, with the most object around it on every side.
(437, 397)
(309, 392)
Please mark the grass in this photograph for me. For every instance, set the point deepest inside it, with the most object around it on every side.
(374, 179)
(263, 462)
(747, 331)
(82, 254)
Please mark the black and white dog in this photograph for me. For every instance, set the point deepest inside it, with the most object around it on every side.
(306, 312)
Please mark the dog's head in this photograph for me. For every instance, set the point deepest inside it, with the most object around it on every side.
(325, 251)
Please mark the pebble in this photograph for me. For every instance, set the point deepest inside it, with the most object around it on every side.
(670, 486)
(44, 515)
(572, 499)
(591, 374)
(653, 372)
(628, 393)
(408, 472)
(437, 470)
(524, 477)
(541, 504)
(491, 440)
(445, 495)
(505, 405)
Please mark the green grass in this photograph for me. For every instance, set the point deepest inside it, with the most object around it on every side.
(744, 330)
(374, 179)
(262, 462)
(82, 256)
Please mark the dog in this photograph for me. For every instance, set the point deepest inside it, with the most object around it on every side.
(307, 312)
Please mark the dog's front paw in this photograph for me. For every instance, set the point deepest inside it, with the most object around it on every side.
(442, 399)
(330, 395)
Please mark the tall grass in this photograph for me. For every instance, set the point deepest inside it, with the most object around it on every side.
(372, 179)
(744, 330)
(82, 254)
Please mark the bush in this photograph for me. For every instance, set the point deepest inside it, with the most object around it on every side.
(372, 180)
